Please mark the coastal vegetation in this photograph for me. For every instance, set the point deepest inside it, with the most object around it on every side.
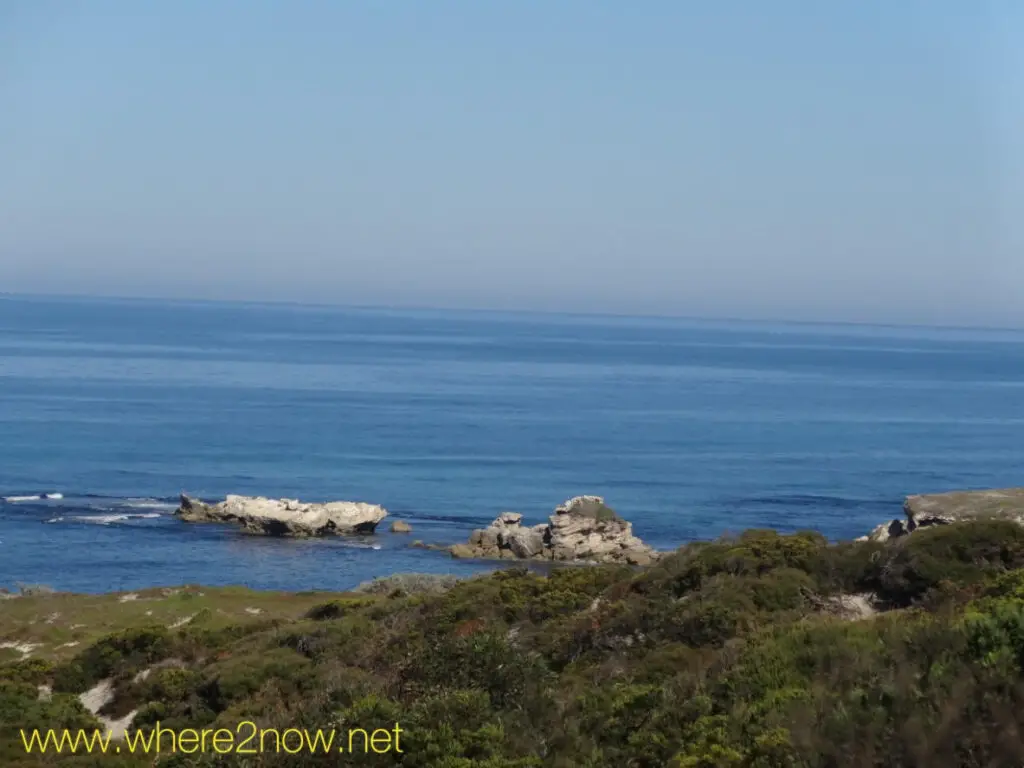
(756, 651)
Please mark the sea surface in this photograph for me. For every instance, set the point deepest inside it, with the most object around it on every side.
(688, 428)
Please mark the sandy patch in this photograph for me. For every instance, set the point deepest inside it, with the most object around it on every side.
(181, 622)
(25, 649)
(96, 698)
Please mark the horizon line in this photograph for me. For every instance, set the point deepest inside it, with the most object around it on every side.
(513, 311)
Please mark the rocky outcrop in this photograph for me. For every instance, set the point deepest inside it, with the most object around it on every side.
(849, 607)
(582, 529)
(400, 526)
(285, 517)
(927, 510)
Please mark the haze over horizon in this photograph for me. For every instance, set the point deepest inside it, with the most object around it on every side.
(853, 163)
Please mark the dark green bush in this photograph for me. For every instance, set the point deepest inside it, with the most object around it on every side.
(244, 675)
(753, 553)
(124, 652)
(35, 671)
(337, 608)
(964, 554)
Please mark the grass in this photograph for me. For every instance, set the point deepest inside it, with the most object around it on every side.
(60, 625)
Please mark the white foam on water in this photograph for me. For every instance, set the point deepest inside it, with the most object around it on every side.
(350, 545)
(104, 504)
(98, 519)
(108, 519)
(147, 504)
(35, 497)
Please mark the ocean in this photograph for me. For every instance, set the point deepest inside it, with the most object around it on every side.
(688, 428)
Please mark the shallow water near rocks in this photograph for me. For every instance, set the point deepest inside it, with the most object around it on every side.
(687, 428)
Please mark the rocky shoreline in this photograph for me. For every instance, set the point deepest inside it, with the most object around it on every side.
(927, 510)
(582, 529)
(772, 626)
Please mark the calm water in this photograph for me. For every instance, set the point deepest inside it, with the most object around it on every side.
(687, 428)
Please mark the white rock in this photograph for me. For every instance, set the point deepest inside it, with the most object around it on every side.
(286, 517)
(582, 529)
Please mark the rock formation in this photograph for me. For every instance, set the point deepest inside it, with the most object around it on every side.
(954, 507)
(582, 529)
(400, 526)
(285, 517)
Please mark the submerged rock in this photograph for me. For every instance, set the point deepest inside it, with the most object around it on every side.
(581, 529)
(925, 510)
(285, 517)
(400, 526)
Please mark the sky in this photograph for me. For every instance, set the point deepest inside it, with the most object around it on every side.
(846, 161)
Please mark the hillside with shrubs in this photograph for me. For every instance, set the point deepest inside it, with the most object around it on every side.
(755, 651)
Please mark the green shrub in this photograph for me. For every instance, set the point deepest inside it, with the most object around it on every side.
(22, 707)
(753, 553)
(995, 633)
(964, 554)
(34, 671)
(335, 609)
(1009, 584)
(242, 676)
(172, 684)
(482, 659)
(131, 650)
(782, 589)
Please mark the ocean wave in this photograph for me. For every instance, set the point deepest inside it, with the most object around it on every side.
(94, 500)
(351, 545)
(34, 497)
(106, 519)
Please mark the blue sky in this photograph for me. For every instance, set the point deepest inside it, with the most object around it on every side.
(855, 161)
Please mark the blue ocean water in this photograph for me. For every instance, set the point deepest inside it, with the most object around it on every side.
(688, 428)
